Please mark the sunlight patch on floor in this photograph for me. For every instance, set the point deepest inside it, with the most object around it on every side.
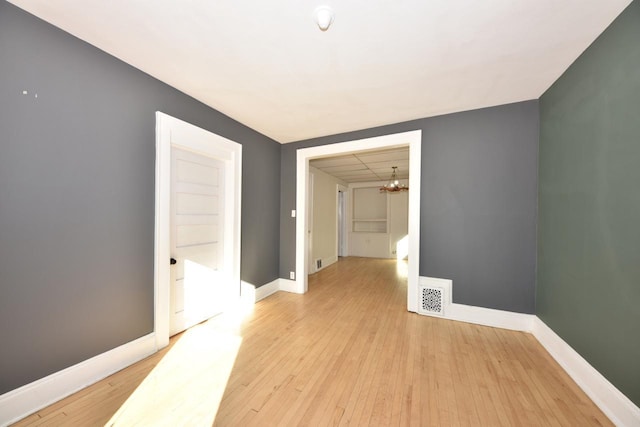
(187, 385)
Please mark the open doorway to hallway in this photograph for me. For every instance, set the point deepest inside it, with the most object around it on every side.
(349, 214)
(304, 234)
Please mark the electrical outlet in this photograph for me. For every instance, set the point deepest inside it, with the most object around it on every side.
(292, 275)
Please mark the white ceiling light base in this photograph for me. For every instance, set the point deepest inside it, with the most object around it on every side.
(324, 17)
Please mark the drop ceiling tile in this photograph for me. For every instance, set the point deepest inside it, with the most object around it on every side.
(363, 180)
(335, 161)
(360, 178)
(353, 173)
(401, 164)
(384, 157)
(335, 169)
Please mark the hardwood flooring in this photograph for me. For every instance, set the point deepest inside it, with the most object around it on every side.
(345, 353)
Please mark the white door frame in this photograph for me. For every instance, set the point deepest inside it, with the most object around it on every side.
(170, 132)
(341, 239)
(310, 236)
(414, 140)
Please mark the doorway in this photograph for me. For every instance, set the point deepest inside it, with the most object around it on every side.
(197, 146)
(414, 140)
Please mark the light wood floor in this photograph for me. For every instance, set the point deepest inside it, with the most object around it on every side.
(345, 353)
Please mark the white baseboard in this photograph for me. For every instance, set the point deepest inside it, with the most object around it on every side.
(288, 286)
(247, 292)
(620, 410)
(265, 290)
(23, 401)
(251, 294)
(478, 315)
(489, 317)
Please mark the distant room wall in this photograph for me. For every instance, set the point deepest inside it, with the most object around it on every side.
(325, 219)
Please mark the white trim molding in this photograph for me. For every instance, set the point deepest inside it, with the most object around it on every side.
(287, 285)
(620, 410)
(490, 317)
(478, 315)
(23, 401)
(412, 139)
(251, 295)
(269, 289)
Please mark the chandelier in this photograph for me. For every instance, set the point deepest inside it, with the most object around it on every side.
(394, 185)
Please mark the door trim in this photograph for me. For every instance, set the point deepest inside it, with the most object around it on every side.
(169, 131)
(414, 140)
(341, 240)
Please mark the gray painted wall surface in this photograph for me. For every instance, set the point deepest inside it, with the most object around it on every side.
(478, 202)
(77, 197)
(588, 288)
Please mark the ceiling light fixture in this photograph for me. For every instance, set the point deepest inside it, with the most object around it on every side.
(324, 17)
(394, 185)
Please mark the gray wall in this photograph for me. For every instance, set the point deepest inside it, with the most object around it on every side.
(77, 197)
(588, 288)
(478, 202)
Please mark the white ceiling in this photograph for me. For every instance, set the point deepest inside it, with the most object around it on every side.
(366, 166)
(267, 65)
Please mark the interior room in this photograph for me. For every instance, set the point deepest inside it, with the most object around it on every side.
(150, 148)
(374, 220)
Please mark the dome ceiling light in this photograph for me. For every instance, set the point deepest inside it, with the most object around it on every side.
(324, 17)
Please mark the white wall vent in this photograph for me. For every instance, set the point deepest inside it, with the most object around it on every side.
(434, 295)
(431, 300)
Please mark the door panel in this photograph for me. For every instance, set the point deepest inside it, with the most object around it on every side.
(195, 204)
(197, 239)
(187, 235)
(196, 173)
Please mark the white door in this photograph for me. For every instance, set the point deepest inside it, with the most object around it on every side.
(197, 290)
(198, 203)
